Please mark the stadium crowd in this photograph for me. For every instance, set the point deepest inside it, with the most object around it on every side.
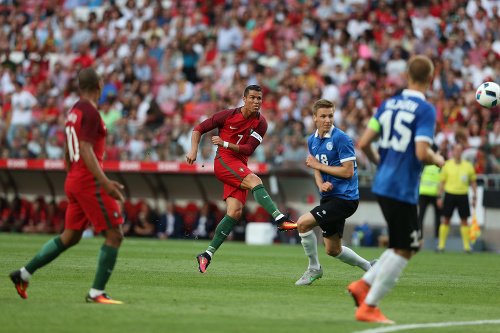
(167, 65)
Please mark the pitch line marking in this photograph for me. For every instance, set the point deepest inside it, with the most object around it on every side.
(413, 326)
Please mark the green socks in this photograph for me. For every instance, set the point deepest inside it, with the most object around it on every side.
(263, 199)
(221, 232)
(49, 252)
(105, 264)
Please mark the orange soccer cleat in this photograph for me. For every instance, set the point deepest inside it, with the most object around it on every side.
(286, 224)
(358, 290)
(103, 299)
(371, 314)
(20, 284)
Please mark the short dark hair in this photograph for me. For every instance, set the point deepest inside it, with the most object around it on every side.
(88, 79)
(253, 87)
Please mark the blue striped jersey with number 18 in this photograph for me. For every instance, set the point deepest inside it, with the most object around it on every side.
(334, 149)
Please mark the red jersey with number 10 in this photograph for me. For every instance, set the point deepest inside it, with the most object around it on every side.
(234, 128)
(84, 123)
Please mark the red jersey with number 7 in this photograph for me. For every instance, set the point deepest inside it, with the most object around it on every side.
(84, 123)
(234, 128)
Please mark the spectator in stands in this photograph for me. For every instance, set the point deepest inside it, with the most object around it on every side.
(147, 222)
(205, 223)
(53, 148)
(229, 39)
(171, 223)
(36, 144)
(205, 92)
(37, 218)
(185, 88)
(23, 104)
(494, 135)
(142, 70)
(294, 152)
(190, 59)
(109, 116)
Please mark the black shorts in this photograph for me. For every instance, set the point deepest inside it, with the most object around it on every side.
(405, 232)
(331, 214)
(452, 201)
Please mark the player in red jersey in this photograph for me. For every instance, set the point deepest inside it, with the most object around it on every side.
(91, 195)
(240, 131)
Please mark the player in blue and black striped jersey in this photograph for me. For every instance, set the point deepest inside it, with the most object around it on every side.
(405, 126)
(334, 162)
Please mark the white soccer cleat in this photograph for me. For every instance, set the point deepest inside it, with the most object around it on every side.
(310, 276)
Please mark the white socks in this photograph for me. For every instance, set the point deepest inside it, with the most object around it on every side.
(95, 292)
(25, 275)
(352, 258)
(310, 244)
(387, 274)
(210, 254)
(370, 275)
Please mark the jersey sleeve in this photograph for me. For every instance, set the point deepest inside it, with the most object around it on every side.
(309, 144)
(255, 138)
(217, 120)
(346, 149)
(424, 130)
(374, 123)
(91, 120)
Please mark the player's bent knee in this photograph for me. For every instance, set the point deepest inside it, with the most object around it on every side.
(114, 236)
(303, 226)
(253, 180)
(333, 251)
(235, 214)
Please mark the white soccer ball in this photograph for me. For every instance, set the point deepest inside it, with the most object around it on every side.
(487, 94)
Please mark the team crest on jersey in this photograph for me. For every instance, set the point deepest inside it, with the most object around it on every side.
(115, 214)
(329, 146)
(242, 170)
(250, 131)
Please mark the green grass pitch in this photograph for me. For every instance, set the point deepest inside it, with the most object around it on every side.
(246, 289)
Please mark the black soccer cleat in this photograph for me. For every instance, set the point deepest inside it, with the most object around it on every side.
(20, 284)
(203, 261)
(286, 224)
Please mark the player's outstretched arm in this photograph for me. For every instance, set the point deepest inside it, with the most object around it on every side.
(110, 186)
(195, 141)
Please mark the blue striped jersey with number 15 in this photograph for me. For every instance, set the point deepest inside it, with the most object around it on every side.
(401, 121)
(333, 149)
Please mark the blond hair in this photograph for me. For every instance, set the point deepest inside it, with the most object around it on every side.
(420, 69)
(322, 104)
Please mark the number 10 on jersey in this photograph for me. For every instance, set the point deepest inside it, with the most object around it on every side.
(73, 144)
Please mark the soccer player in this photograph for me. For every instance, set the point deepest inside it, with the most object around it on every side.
(240, 131)
(91, 195)
(456, 176)
(405, 125)
(334, 162)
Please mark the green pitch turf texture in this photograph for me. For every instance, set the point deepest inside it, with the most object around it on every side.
(246, 289)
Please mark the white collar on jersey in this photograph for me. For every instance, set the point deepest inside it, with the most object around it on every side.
(327, 135)
(413, 93)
